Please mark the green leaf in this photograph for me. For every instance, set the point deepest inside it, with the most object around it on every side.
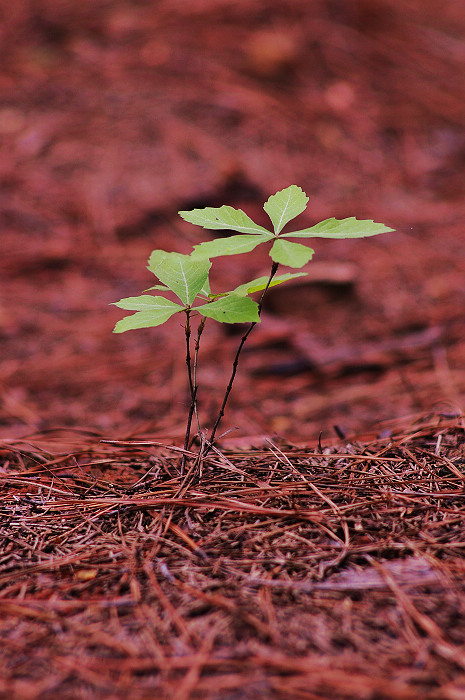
(206, 291)
(290, 254)
(148, 315)
(183, 274)
(285, 205)
(231, 309)
(146, 302)
(159, 287)
(222, 218)
(341, 228)
(259, 284)
(234, 245)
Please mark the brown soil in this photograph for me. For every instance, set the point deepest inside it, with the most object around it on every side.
(115, 115)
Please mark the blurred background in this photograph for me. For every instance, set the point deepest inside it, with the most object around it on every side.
(115, 114)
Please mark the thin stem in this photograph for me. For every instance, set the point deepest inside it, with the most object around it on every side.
(273, 271)
(187, 330)
(192, 378)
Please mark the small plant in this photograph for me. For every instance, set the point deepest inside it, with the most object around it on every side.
(187, 277)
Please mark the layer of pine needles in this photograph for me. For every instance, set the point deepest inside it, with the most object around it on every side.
(287, 572)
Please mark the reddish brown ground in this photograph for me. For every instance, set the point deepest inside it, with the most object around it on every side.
(114, 115)
(280, 573)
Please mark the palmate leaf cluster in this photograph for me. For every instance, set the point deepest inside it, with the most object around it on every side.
(187, 276)
(281, 207)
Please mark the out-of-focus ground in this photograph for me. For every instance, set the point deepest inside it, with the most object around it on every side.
(114, 115)
(309, 570)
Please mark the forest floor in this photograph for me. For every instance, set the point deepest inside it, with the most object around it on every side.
(281, 573)
(319, 554)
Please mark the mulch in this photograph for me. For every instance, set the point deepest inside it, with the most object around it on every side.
(114, 118)
(285, 572)
(318, 553)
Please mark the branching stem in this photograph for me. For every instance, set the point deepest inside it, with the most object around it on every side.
(274, 269)
(192, 379)
(194, 374)
(187, 330)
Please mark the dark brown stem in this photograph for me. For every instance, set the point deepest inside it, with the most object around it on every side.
(192, 378)
(191, 389)
(273, 271)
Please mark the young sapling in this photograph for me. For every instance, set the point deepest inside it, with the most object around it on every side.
(187, 278)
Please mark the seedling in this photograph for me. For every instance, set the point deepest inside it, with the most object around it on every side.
(187, 277)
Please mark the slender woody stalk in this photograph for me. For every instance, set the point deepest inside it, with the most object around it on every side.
(274, 269)
(192, 380)
(187, 330)
(196, 355)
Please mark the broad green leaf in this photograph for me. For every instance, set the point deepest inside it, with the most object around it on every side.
(341, 228)
(231, 309)
(206, 291)
(183, 274)
(146, 302)
(285, 205)
(259, 284)
(290, 254)
(234, 245)
(222, 218)
(147, 319)
(159, 287)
